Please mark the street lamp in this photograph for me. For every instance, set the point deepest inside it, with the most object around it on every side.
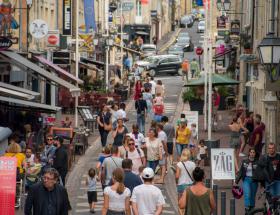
(269, 52)
(223, 5)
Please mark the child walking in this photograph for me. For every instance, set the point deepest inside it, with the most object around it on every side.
(92, 193)
(202, 152)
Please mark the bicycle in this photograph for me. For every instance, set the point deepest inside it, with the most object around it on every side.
(271, 205)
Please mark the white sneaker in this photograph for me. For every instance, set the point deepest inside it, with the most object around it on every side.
(241, 154)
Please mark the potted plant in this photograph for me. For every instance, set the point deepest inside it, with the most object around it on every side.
(245, 42)
(195, 102)
(223, 92)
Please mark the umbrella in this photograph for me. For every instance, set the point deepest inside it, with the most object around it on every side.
(217, 79)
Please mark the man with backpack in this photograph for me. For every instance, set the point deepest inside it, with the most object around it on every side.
(136, 155)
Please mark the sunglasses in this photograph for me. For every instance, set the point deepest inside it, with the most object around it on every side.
(49, 139)
(131, 144)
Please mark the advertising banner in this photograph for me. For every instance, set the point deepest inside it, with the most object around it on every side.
(222, 164)
(89, 15)
(8, 166)
(67, 18)
(192, 118)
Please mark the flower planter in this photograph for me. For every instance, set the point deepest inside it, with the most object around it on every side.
(248, 51)
(197, 105)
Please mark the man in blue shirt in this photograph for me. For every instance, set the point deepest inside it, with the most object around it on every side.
(131, 180)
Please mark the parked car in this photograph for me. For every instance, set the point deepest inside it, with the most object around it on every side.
(186, 21)
(185, 43)
(201, 27)
(148, 50)
(170, 64)
(176, 50)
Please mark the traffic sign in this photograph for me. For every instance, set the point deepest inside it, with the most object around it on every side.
(199, 51)
(38, 28)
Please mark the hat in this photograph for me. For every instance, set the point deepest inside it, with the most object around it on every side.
(148, 173)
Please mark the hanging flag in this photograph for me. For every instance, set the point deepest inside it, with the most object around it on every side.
(206, 4)
(144, 1)
(89, 15)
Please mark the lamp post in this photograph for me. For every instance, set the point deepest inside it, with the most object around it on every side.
(223, 5)
(269, 52)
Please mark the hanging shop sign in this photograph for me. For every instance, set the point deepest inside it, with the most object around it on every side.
(221, 22)
(53, 38)
(235, 27)
(154, 13)
(67, 15)
(126, 6)
(38, 28)
(222, 164)
(5, 43)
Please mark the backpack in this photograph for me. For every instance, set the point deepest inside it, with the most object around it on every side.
(138, 150)
(158, 109)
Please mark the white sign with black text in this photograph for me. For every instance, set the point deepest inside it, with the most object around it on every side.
(192, 118)
(222, 164)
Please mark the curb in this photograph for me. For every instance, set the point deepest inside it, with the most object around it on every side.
(171, 41)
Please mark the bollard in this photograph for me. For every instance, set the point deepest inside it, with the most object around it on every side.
(223, 203)
(207, 182)
(232, 206)
(215, 191)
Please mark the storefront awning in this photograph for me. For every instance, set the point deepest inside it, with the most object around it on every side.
(40, 107)
(21, 61)
(90, 66)
(19, 89)
(249, 58)
(59, 69)
(128, 49)
(227, 51)
(8, 92)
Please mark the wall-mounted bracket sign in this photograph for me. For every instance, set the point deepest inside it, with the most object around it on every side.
(5, 43)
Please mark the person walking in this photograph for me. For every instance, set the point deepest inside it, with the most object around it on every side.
(104, 124)
(158, 108)
(247, 172)
(91, 192)
(159, 88)
(119, 133)
(137, 136)
(147, 199)
(131, 180)
(234, 142)
(14, 150)
(162, 163)
(257, 137)
(116, 197)
(106, 153)
(154, 149)
(183, 134)
(141, 110)
(170, 133)
(185, 69)
(184, 170)
(60, 161)
(136, 155)
(194, 68)
(47, 154)
(198, 199)
(153, 88)
(148, 97)
(109, 165)
(137, 90)
(270, 164)
(48, 196)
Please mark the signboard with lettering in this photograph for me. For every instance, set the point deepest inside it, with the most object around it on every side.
(67, 18)
(8, 167)
(222, 163)
(66, 133)
(126, 6)
(192, 118)
(5, 43)
(235, 27)
(221, 22)
(154, 13)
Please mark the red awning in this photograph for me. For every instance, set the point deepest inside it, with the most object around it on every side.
(227, 51)
(59, 69)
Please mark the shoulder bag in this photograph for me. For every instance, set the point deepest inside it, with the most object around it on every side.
(107, 127)
(187, 171)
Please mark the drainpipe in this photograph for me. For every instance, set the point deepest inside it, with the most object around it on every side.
(20, 26)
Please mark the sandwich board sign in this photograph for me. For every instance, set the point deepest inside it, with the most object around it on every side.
(192, 118)
(222, 164)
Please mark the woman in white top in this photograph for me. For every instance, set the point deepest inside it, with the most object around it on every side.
(116, 197)
(184, 172)
(154, 149)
